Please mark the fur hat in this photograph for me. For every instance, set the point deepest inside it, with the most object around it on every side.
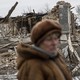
(44, 27)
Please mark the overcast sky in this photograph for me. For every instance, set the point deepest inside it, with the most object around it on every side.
(25, 5)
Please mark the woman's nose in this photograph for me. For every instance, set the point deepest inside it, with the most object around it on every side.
(54, 41)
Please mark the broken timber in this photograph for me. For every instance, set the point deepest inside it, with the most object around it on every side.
(9, 13)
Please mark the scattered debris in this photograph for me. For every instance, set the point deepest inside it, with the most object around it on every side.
(15, 30)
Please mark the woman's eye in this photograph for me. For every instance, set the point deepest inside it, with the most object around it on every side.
(49, 38)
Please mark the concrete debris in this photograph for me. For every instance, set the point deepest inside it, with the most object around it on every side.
(15, 30)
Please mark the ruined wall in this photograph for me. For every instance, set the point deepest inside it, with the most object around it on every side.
(62, 13)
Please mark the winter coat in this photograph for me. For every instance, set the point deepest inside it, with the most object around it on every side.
(33, 65)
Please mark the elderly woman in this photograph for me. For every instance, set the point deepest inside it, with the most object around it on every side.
(42, 60)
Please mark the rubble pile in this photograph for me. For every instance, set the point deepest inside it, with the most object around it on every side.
(8, 63)
(12, 32)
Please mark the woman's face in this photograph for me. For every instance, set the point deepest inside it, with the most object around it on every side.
(50, 43)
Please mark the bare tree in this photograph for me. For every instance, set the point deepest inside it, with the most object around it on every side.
(78, 9)
(47, 9)
(78, 14)
(29, 9)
